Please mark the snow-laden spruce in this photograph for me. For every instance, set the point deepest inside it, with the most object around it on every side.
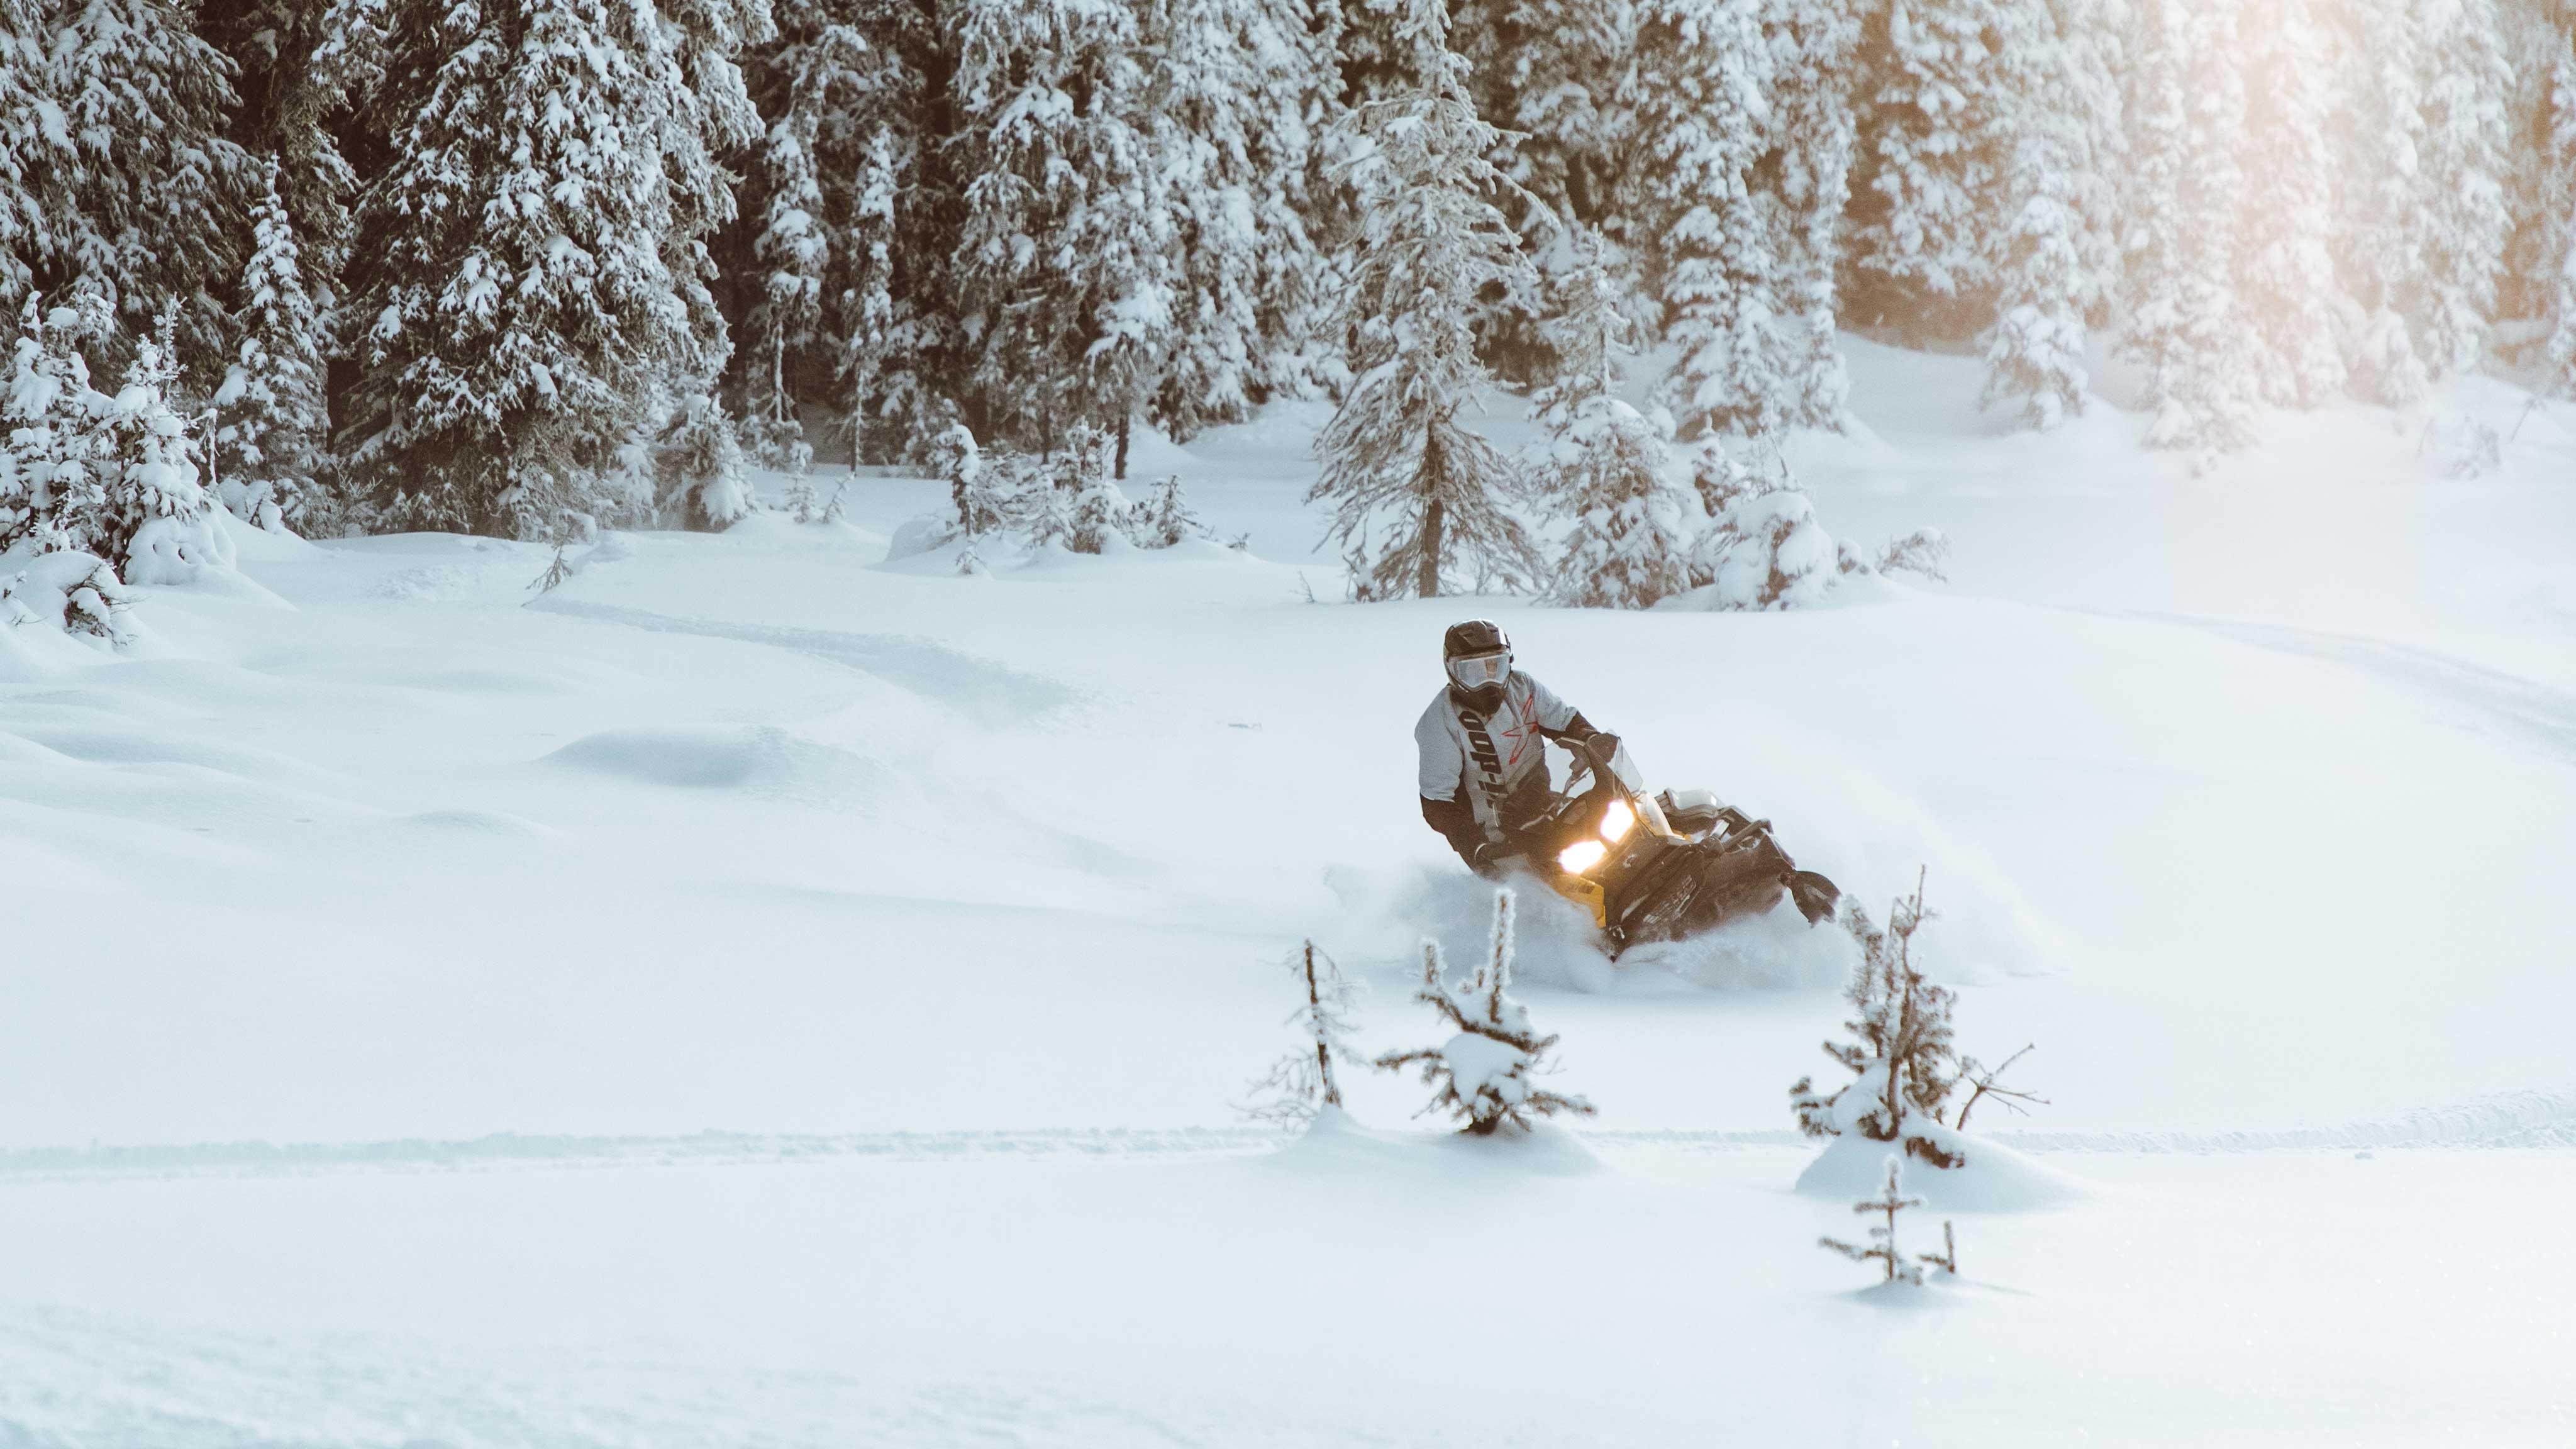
(1703, 121)
(530, 281)
(2290, 296)
(697, 465)
(271, 422)
(117, 172)
(2045, 271)
(1065, 267)
(1418, 497)
(2184, 325)
(1932, 180)
(1240, 87)
(1302, 1082)
(1603, 463)
(1488, 1073)
(1814, 132)
(2462, 222)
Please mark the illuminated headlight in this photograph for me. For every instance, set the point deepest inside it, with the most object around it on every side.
(1581, 856)
(1617, 821)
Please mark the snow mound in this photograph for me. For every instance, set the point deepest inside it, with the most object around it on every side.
(1992, 1178)
(758, 760)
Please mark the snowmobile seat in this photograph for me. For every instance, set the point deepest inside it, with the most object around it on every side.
(1692, 812)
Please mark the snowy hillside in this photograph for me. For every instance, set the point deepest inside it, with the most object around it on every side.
(761, 992)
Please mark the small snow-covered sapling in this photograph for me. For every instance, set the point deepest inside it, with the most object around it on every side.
(1487, 1072)
(1302, 1081)
(1882, 1246)
(1901, 1055)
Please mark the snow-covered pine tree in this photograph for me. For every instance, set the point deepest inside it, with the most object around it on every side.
(153, 522)
(1236, 85)
(2290, 296)
(1702, 121)
(2187, 113)
(270, 420)
(115, 170)
(1815, 42)
(854, 219)
(2463, 223)
(1936, 146)
(697, 468)
(2035, 351)
(1552, 71)
(289, 59)
(1430, 242)
(1882, 1247)
(1487, 1073)
(1301, 1083)
(1603, 463)
(55, 458)
(530, 261)
(1065, 269)
(2381, 195)
(2561, 199)
(1900, 1053)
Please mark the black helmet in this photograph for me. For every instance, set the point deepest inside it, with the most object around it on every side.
(1477, 656)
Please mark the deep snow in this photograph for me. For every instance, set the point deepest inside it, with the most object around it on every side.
(2247, 797)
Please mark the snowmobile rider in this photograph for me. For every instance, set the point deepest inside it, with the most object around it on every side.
(1484, 770)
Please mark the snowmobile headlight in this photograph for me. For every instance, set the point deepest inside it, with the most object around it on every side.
(1616, 822)
(1581, 856)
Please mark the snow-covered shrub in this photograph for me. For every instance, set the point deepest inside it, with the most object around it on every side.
(1925, 551)
(1882, 1246)
(957, 461)
(1095, 510)
(68, 590)
(1763, 548)
(1301, 1082)
(1487, 1073)
(697, 468)
(1165, 518)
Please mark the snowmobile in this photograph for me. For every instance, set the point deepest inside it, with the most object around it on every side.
(1663, 866)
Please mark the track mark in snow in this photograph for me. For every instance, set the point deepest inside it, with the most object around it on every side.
(2533, 714)
(2508, 1120)
(978, 686)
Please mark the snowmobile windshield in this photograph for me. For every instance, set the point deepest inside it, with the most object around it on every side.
(1623, 767)
(1477, 671)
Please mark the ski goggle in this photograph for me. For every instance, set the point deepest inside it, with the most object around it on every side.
(1478, 670)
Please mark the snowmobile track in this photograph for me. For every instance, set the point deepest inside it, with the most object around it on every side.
(975, 685)
(2534, 1119)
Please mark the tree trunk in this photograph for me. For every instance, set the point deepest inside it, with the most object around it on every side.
(1125, 420)
(1435, 519)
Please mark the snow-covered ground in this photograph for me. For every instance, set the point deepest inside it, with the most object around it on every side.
(867, 961)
